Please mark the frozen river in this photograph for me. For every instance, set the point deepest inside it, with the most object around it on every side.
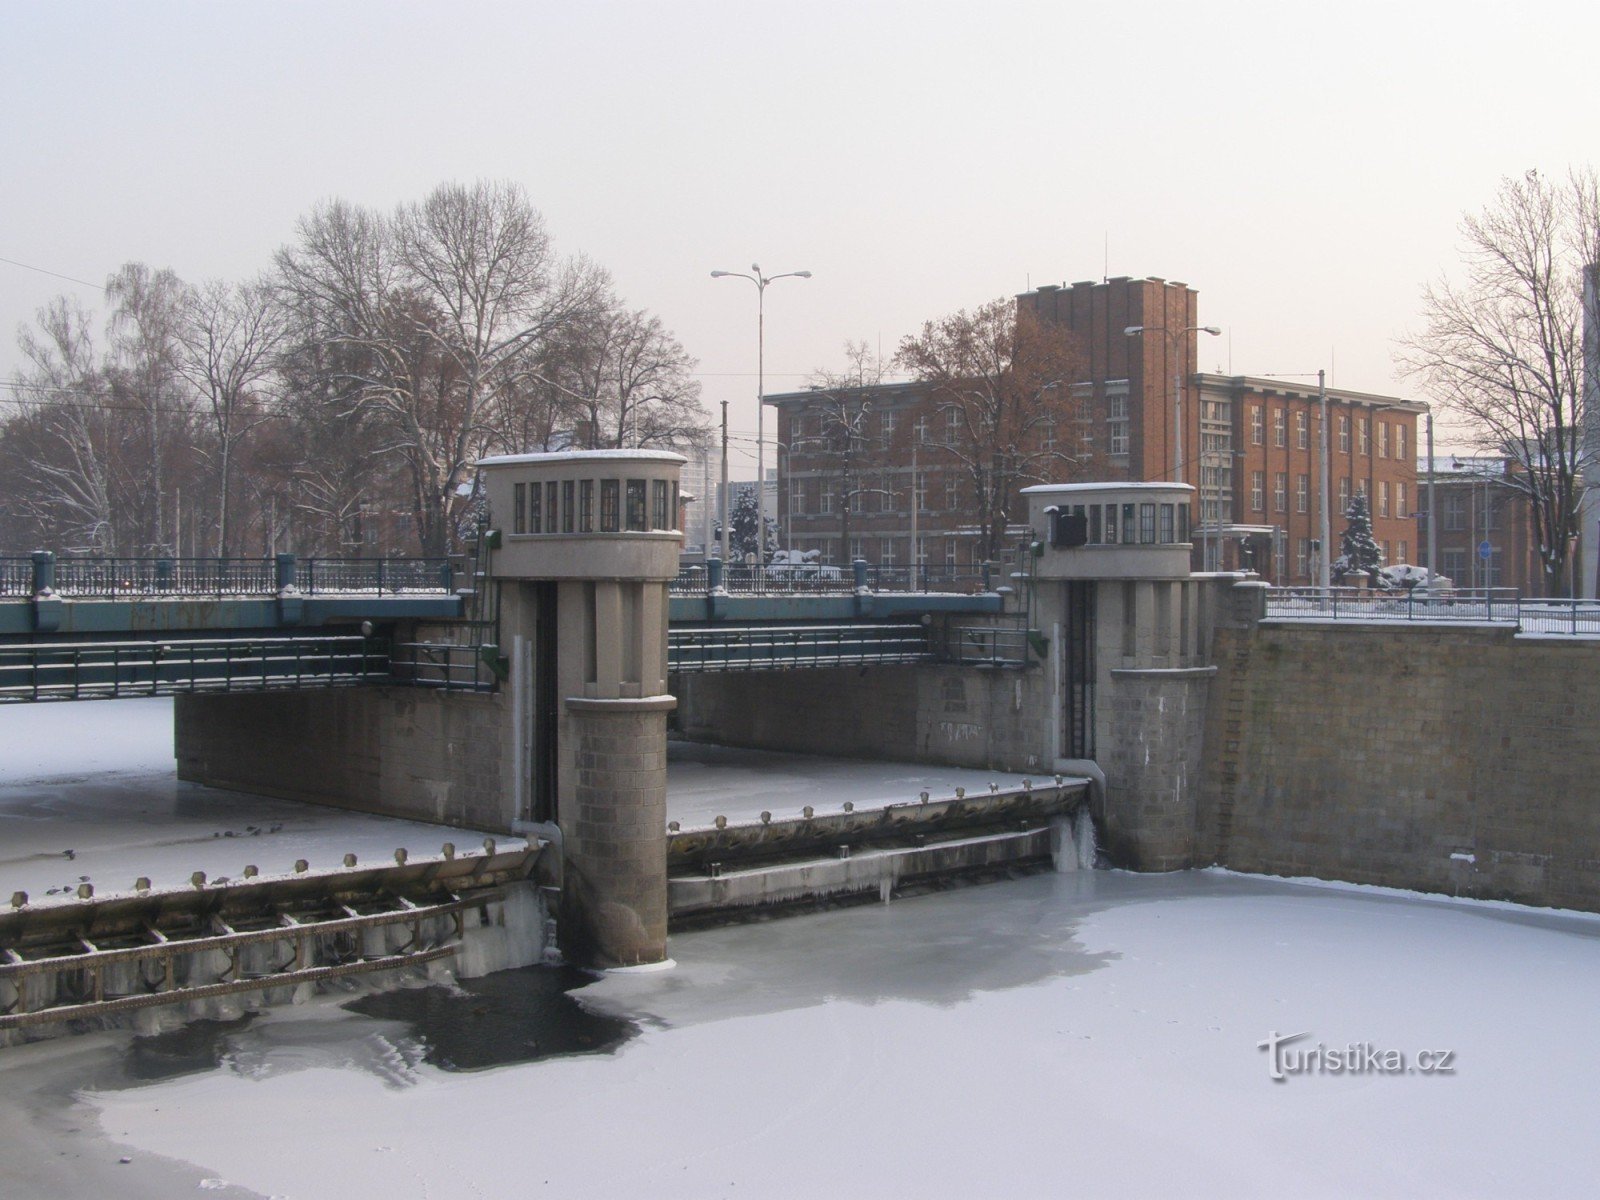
(1092, 1033)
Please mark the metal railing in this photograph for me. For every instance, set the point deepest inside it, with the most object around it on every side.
(1573, 618)
(16, 576)
(445, 666)
(106, 670)
(385, 576)
(782, 647)
(1500, 606)
(824, 580)
(982, 645)
(113, 578)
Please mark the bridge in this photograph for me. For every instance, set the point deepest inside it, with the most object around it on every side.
(94, 627)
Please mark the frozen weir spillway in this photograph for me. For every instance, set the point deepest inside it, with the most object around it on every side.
(877, 851)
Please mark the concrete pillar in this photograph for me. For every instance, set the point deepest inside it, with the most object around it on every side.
(601, 525)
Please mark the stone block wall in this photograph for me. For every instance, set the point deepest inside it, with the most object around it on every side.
(962, 716)
(1462, 761)
(404, 752)
(614, 906)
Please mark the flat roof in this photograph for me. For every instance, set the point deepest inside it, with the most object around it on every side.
(1132, 486)
(556, 456)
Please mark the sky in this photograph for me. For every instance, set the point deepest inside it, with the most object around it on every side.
(1305, 167)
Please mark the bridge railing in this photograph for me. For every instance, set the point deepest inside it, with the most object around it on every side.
(16, 576)
(445, 666)
(381, 575)
(96, 577)
(115, 577)
(824, 580)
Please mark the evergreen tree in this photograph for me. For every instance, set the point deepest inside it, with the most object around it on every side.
(1358, 551)
(742, 533)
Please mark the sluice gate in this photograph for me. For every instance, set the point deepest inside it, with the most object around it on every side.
(726, 867)
(91, 958)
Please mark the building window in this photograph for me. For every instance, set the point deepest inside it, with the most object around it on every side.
(1117, 423)
(1344, 433)
(1344, 494)
(952, 493)
(1279, 422)
(1363, 440)
(950, 554)
(1280, 493)
(1302, 557)
(1147, 524)
(659, 517)
(1386, 558)
(1169, 524)
(1400, 508)
(922, 430)
(1302, 494)
(886, 423)
(1257, 426)
(1453, 564)
(1383, 497)
(610, 505)
(1455, 512)
(551, 491)
(1258, 490)
(1111, 524)
(1128, 532)
(1049, 441)
(1400, 442)
(857, 497)
(1302, 437)
(569, 506)
(952, 426)
(919, 491)
(535, 524)
(586, 506)
(1383, 439)
(1405, 551)
(637, 516)
(519, 508)
(855, 550)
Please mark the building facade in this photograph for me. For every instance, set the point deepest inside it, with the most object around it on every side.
(872, 472)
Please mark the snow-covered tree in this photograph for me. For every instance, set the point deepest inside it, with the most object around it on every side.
(1358, 550)
(742, 522)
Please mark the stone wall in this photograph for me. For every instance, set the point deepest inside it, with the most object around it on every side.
(1461, 761)
(404, 752)
(961, 716)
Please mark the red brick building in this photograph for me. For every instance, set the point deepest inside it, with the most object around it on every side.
(868, 470)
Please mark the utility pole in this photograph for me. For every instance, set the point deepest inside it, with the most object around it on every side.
(1324, 565)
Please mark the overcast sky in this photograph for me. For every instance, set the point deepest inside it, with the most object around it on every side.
(1304, 166)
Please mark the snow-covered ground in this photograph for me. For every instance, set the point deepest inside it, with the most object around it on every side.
(1087, 1033)
(96, 778)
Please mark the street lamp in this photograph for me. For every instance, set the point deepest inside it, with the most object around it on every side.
(1177, 401)
(761, 282)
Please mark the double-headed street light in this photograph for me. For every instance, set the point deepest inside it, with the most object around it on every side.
(761, 281)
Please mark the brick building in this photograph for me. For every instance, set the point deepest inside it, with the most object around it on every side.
(869, 472)
(1477, 506)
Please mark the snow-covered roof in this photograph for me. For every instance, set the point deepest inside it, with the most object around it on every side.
(1054, 489)
(507, 460)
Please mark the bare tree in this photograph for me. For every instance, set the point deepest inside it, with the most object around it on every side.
(1503, 348)
(142, 372)
(447, 302)
(1002, 381)
(60, 452)
(228, 342)
(842, 443)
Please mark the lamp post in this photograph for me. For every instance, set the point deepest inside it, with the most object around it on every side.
(1177, 408)
(761, 282)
